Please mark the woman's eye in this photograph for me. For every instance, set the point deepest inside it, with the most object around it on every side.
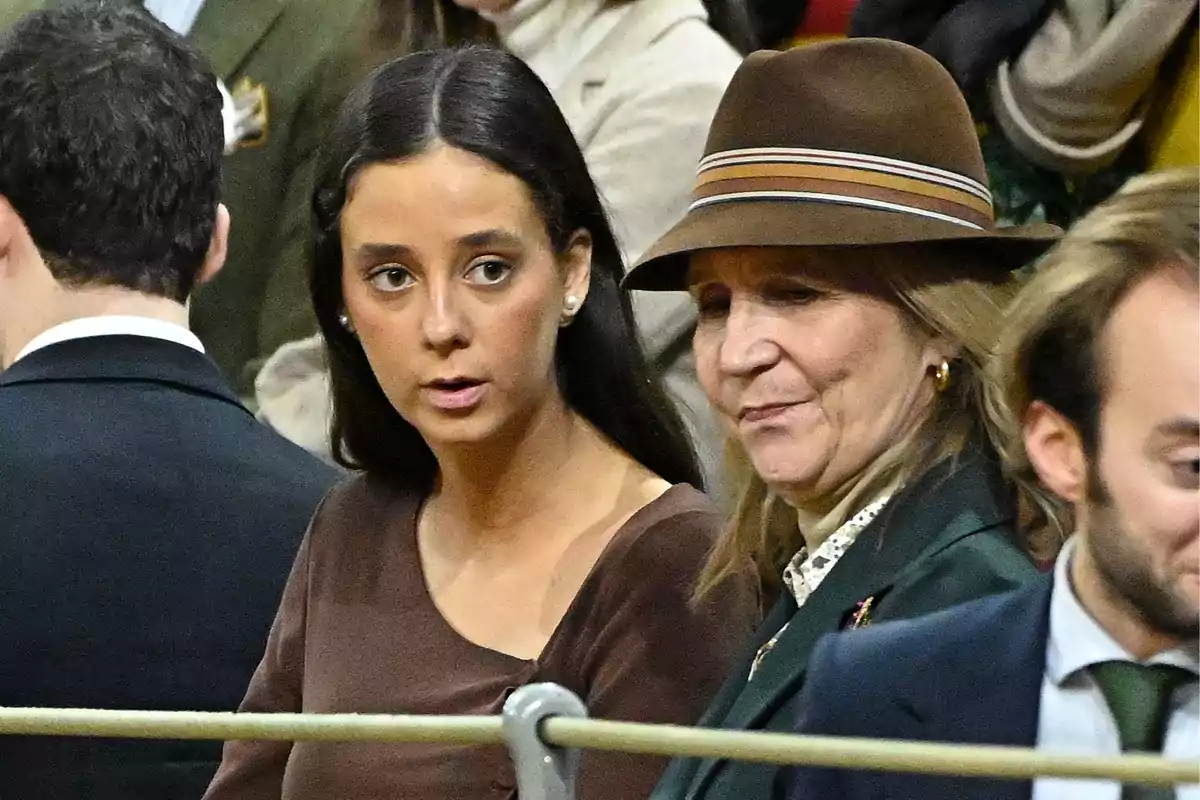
(390, 279)
(791, 295)
(489, 273)
(1187, 472)
(712, 303)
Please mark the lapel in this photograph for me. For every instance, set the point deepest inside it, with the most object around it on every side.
(228, 30)
(644, 22)
(122, 358)
(735, 685)
(993, 696)
(951, 501)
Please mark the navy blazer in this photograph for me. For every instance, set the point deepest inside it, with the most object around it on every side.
(971, 675)
(148, 525)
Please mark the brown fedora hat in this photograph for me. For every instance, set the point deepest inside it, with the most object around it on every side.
(845, 143)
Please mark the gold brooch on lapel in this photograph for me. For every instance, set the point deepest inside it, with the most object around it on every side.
(860, 617)
(247, 116)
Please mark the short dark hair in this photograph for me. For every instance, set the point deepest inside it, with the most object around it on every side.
(111, 142)
(486, 102)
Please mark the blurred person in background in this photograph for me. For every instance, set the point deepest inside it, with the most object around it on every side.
(850, 284)
(285, 67)
(638, 82)
(1096, 408)
(1068, 95)
(524, 512)
(148, 519)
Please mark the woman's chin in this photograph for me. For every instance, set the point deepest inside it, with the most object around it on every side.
(784, 472)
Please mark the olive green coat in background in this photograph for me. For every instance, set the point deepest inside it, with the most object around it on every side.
(306, 53)
(306, 56)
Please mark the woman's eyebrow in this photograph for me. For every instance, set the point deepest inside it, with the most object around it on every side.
(375, 251)
(493, 237)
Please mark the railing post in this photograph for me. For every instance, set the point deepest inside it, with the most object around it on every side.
(543, 772)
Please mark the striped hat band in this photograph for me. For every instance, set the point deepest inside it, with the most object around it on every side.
(854, 179)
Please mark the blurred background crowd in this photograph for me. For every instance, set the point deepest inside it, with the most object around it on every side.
(642, 515)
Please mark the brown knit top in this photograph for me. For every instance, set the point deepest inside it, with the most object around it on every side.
(357, 631)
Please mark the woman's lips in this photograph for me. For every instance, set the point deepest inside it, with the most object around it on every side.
(764, 412)
(461, 395)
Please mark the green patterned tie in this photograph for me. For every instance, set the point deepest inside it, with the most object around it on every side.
(1139, 697)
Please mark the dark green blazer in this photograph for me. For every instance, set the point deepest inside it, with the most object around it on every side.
(948, 538)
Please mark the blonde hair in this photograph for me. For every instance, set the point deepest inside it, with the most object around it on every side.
(1049, 350)
(951, 292)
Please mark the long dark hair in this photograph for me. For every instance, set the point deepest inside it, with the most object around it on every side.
(486, 102)
(406, 26)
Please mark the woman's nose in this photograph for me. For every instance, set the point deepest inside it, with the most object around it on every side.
(746, 347)
(443, 325)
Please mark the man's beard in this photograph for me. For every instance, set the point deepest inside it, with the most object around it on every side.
(1127, 572)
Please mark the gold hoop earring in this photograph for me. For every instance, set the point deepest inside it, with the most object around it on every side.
(941, 376)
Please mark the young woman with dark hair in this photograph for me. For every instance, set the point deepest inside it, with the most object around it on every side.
(638, 82)
(524, 513)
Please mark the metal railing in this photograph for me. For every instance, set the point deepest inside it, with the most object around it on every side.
(546, 727)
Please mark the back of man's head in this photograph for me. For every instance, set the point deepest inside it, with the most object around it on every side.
(111, 142)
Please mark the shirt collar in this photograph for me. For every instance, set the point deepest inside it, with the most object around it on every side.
(805, 572)
(112, 325)
(1077, 641)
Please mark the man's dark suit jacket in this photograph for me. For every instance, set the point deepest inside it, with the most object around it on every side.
(969, 675)
(147, 525)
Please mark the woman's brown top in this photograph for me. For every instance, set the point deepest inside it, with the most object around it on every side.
(358, 632)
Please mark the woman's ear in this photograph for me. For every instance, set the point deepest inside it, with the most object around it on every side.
(938, 349)
(577, 268)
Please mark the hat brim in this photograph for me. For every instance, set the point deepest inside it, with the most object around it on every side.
(773, 223)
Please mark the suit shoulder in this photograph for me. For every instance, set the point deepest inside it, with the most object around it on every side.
(991, 553)
(982, 563)
(926, 638)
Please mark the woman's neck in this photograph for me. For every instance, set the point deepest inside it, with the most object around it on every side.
(822, 513)
(498, 484)
(818, 520)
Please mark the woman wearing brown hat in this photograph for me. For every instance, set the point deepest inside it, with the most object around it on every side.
(850, 283)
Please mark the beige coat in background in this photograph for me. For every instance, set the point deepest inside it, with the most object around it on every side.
(640, 105)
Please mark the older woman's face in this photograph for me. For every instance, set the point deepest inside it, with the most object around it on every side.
(812, 366)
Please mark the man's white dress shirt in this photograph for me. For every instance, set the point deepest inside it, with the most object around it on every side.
(113, 325)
